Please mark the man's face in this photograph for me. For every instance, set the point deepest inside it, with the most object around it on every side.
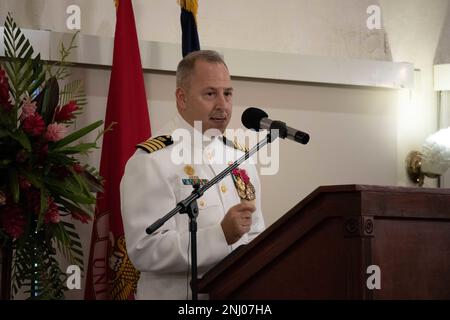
(207, 97)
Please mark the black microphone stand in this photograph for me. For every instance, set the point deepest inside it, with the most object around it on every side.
(189, 205)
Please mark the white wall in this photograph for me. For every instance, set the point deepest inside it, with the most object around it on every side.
(358, 135)
(317, 27)
(414, 29)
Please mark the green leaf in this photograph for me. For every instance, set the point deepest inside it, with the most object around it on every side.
(39, 78)
(76, 135)
(76, 244)
(21, 40)
(50, 101)
(81, 181)
(32, 177)
(59, 158)
(82, 148)
(93, 180)
(14, 184)
(72, 185)
(8, 38)
(71, 226)
(72, 233)
(26, 50)
(3, 133)
(43, 207)
(22, 138)
(31, 76)
(63, 189)
(77, 251)
(25, 61)
(76, 207)
(80, 263)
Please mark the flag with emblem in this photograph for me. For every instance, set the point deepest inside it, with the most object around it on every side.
(189, 33)
(111, 275)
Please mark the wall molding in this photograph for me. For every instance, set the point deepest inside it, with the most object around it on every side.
(160, 56)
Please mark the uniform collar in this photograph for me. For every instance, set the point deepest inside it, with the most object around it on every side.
(198, 139)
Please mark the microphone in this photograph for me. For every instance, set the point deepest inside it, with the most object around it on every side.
(256, 119)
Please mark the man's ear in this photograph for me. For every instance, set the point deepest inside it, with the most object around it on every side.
(180, 95)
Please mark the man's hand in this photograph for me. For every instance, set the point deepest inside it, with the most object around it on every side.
(237, 221)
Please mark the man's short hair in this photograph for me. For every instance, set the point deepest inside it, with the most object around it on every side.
(187, 65)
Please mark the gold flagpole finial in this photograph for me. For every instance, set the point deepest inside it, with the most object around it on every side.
(189, 5)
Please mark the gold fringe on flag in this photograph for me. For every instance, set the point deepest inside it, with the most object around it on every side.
(189, 5)
(116, 2)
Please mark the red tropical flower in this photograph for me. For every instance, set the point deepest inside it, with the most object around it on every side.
(28, 108)
(52, 214)
(34, 125)
(4, 87)
(65, 113)
(24, 183)
(13, 221)
(78, 168)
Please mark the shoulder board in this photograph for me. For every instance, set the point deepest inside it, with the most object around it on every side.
(155, 144)
(235, 144)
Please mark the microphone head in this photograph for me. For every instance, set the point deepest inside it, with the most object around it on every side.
(251, 118)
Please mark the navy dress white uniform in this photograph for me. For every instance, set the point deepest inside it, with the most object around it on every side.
(152, 185)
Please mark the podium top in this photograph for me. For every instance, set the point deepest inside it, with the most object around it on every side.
(379, 188)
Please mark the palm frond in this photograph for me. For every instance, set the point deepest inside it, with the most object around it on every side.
(73, 91)
(61, 67)
(69, 243)
(93, 179)
(26, 74)
(44, 278)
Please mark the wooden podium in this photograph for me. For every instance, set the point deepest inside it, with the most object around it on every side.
(322, 248)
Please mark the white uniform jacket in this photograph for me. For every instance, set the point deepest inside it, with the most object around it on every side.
(152, 186)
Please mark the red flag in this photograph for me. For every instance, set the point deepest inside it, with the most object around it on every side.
(111, 274)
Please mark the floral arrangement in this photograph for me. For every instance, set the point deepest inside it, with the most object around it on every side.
(43, 186)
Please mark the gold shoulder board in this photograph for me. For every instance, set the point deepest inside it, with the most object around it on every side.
(235, 144)
(155, 144)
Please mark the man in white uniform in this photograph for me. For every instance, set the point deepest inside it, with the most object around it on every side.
(153, 184)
